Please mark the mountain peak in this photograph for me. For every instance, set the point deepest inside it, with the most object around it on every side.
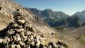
(48, 9)
(83, 11)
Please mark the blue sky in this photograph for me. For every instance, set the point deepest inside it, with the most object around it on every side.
(67, 6)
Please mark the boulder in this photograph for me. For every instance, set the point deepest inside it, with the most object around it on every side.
(42, 36)
(15, 25)
(1, 40)
(28, 33)
(21, 43)
(19, 30)
(29, 42)
(29, 46)
(8, 39)
(52, 33)
(32, 43)
(17, 17)
(19, 27)
(18, 37)
(42, 41)
(17, 9)
(10, 32)
(52, 44)
(28, 25)
(32, 29)
(10, 25)
(37, 37)
(49, 46)
(18, 46)
(31, 38)
(14, 38)
(42, 46)
(12, 46)
(21, 21)
(22, 34)
(37, 42)
(5, 41)
(17, 13)
(62, 47)
(61, 43)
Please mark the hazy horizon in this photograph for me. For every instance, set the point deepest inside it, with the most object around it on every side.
(67, 6)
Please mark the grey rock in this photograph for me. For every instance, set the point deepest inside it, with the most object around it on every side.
(19, 30)
(10, 32)
(31, 37)
(28, 25)
(53, 44)
(21, 21)
(37, 41)
(42, 36)
(44, 47)
(28, 33)
(61, 47)
(22, 34)
(18, 38)
(21, 43)
(12, 46)
(1, 40)
(18, 46)
(32, 43)
(15, 25)
(49, 46)
(17, 13)
(14, 38)
(32, 29)
(5, 41)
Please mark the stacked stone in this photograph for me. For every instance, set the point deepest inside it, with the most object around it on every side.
(20, 34)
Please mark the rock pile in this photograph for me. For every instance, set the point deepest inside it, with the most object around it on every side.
(20, 34)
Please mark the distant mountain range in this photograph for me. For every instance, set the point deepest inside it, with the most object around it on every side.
(59, 19)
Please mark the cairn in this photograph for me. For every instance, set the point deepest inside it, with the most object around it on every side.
(20, 34)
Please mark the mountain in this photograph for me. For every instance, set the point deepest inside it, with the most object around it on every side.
(53, 18)
(20, 28)
(81, 15)
(48, 13)
(76, 20)
(59, 19)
